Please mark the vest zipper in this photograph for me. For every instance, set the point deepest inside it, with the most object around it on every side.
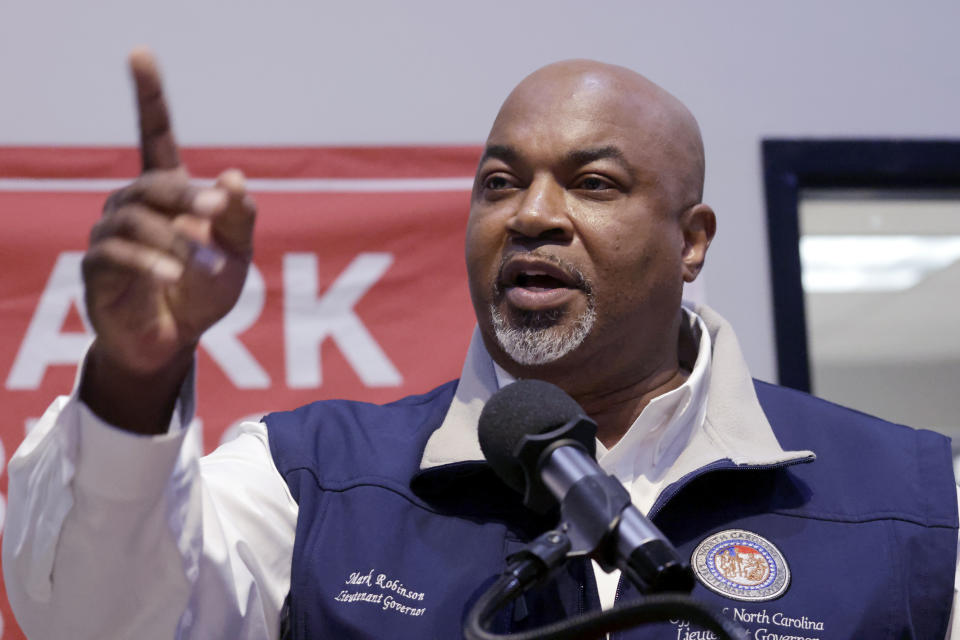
(616, 596)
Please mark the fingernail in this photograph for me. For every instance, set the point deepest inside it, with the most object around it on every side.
(209, 260)
(167, 269)
(209, 201)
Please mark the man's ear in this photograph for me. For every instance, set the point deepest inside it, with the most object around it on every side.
(699, 224)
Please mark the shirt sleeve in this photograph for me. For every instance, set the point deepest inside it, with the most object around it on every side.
(112, 534)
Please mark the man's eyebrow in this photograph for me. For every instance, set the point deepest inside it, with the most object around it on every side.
(500, 152)
(577, 157)
(581, 157)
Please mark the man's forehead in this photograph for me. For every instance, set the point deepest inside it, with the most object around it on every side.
(579, 105)
(567, 98)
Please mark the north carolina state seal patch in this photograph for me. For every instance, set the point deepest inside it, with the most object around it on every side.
(741, 565)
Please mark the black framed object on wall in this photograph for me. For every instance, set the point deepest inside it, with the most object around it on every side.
(792, 166)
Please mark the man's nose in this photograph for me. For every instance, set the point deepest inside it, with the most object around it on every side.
(542, 213)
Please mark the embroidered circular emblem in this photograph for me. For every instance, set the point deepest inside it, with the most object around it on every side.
(741, 565)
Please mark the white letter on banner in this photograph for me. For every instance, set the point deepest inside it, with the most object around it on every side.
(308, 320)
(44, 344)
(221, 342)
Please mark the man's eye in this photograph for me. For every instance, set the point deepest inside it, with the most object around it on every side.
(496, 183)
(594, 183)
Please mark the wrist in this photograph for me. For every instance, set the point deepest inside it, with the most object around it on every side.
(132, 400)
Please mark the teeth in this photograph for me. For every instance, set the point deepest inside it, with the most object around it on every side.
(524, 276)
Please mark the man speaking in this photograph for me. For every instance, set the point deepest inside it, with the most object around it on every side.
(801, 519)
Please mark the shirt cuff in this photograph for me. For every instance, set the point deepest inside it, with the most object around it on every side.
(119, 465)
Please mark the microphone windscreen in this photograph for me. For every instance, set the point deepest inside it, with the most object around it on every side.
(522, 408)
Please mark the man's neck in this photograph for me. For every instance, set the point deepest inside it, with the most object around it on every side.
(615, 410)
(614, 397)
(614, 385)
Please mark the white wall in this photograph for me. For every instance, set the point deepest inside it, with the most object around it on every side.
(435, 71)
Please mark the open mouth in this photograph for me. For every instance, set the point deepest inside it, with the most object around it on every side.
(535, 283)
(539, 273)
(539, 280)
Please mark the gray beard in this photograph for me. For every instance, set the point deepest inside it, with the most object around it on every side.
(540, 339)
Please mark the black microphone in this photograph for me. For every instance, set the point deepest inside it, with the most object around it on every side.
(540, 442)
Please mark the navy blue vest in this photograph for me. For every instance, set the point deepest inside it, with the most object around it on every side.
(383, 550)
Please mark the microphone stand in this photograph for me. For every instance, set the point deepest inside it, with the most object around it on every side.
(541, 558)
(597, 518)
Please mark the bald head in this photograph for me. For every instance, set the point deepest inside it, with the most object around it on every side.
(657, 124)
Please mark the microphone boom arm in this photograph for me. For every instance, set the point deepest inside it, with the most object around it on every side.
(596, 511)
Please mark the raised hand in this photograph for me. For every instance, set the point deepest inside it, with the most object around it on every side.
(166, 261)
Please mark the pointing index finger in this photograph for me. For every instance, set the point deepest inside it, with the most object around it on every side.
(158, 148)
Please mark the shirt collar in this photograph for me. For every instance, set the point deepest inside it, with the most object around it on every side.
(664, 427)
(734, 426)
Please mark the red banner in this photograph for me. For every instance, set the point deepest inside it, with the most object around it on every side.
(358, 288)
